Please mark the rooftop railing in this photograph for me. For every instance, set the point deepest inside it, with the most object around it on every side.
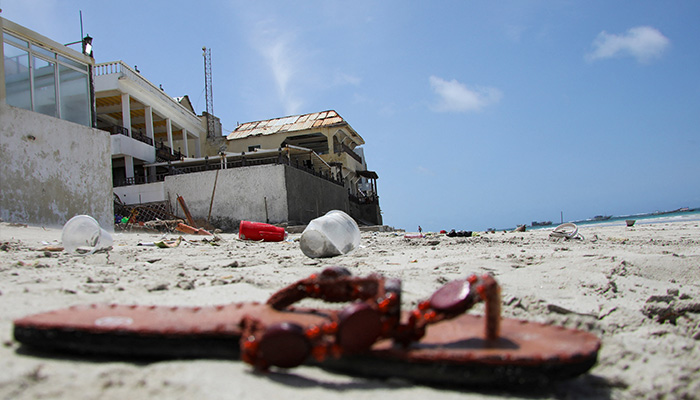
(118, 67)
(138, 135)
(214, 164)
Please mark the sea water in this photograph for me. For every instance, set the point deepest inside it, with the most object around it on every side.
(644, 218)
(648, 218)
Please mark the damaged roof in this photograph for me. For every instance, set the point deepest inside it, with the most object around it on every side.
(294, 123)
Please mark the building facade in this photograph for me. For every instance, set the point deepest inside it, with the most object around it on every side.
(54, 163)
(146, 125)
(326, 133)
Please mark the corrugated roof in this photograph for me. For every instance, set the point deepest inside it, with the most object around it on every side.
(292, 124)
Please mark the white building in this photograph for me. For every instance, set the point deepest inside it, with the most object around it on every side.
(54, 163)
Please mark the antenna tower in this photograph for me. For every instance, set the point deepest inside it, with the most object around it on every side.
(209, 97)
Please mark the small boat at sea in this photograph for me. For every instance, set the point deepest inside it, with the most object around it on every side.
(601, 218)
(541, 223)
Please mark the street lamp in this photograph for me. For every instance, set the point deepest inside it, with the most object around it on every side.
(87, 46)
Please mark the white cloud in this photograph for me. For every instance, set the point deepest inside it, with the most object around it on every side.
(643, 43)
(295, 67)
(454, 96)
(421, 170)
(282, 60)
(342, 79)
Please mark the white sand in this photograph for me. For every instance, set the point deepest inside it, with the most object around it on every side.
(601, 284)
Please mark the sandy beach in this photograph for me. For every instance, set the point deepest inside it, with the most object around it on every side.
(637, 288)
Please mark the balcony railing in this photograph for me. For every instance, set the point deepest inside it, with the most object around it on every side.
(243, 162)
(343, 148)
(123, 70)
(164, 153)
(138, 135)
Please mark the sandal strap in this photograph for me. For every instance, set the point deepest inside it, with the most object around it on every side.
(378, 311)
(452, 300)
(333, 285)
(377, 303)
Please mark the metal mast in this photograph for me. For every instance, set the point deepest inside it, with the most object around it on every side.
(209, 97)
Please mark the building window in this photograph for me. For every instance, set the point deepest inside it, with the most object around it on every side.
(75, 101)
(252, 148)
(44, 87)
(40, 80)
(17, 86)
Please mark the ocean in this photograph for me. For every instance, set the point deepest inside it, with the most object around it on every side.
(647, 218)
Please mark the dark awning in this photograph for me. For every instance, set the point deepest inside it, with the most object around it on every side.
(368, 174)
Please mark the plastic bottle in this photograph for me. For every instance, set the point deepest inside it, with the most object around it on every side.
(330, 235)
(83, 234)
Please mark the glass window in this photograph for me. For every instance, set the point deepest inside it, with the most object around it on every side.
(16, 41)
(43, 52)
(72, 63)
(75, 100)
(44, 87)
(35, 85)
(17, 86)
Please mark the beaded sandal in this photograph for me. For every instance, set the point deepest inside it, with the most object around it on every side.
(437, 343)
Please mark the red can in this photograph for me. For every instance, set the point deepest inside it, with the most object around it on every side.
(259, 231)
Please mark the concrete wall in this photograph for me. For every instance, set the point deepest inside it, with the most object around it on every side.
(366, 213)
(240, 194)
(138, 194)
(291, 195)
(51, 170)
(124, 145)
(309, 196)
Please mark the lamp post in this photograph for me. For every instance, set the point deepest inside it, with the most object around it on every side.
(87, 45)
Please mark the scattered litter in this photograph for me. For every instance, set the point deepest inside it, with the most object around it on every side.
(55, 248)
(452, 233)
(157, 287)
(82, 234)
(181, 200)
(169, 244)
(259, 231)
(330, 235)
(567, 231)
(191, 230)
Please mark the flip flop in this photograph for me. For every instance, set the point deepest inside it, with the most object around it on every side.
(435, 344)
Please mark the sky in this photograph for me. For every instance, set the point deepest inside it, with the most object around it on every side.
(476, 114)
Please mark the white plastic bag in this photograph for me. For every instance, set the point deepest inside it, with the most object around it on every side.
(330, 235)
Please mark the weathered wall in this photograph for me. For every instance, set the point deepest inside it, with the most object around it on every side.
(366, 213)
(123, 145)
(240, 194)
(309, 196)
(51, 170)
(140, 194)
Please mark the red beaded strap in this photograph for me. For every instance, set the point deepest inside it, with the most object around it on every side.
(360, 324)
(452, 300)
(333, 284)
(352, 330)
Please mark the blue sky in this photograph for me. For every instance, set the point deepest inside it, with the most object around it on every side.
(475, 114)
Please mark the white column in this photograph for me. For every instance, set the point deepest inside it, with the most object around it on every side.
(169, 130)
(148, 114)
(129, 166)
(186, 148)
(126, 112)
(197, 147)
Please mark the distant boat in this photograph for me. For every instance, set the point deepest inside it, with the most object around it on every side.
(601, 218)
(541, 223)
